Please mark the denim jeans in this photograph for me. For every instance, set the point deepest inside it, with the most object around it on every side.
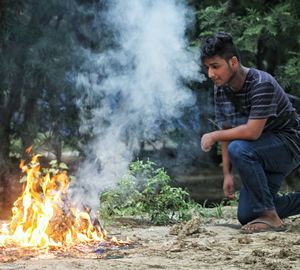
(262, 166)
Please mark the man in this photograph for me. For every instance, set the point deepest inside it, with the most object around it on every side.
(259, 136)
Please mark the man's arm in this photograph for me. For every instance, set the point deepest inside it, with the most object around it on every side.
(228, 184)
(249, 131)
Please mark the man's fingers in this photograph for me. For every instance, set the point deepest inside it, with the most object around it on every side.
(205, 148)
(231, 196)
(204, 145)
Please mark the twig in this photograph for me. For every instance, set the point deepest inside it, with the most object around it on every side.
(214, 123)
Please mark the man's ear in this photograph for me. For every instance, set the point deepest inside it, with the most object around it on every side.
(234, 62)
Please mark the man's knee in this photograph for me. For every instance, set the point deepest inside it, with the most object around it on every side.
(239, 149)
(235, 149)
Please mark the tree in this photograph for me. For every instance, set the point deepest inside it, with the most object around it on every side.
(37, 55)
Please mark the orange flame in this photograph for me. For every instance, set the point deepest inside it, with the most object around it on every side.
(43, 215)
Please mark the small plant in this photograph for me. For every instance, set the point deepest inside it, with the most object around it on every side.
(219, 209)
(146, 191)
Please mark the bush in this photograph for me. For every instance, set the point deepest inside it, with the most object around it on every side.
(147, 191)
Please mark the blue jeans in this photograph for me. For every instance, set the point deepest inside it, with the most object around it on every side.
(262, 166)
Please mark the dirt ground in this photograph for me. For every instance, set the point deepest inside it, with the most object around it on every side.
(197, 244)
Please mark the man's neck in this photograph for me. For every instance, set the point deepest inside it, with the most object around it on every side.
(237, 80)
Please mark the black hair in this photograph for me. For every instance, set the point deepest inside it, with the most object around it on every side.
(219, 44)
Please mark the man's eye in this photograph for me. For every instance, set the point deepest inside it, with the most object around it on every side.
(204, 69)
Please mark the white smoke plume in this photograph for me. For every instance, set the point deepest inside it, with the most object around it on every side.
(138, 84)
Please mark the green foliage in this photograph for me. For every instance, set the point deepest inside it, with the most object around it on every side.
(16, 148)
(146, 191)
(53, 169)
(289, 74)
(211, 19)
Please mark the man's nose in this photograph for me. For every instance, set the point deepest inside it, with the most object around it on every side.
(210, 73)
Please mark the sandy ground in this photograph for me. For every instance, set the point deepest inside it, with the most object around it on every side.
(197, 244)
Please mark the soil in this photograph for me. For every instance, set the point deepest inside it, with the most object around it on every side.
(196, 244)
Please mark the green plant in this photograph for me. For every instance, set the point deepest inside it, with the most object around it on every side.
(218, 209)
(122, 200)
(146, 191)
(206, 212)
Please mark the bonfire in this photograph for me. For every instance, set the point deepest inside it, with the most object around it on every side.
(44, 219)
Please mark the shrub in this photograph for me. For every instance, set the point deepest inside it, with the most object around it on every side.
(147, 191)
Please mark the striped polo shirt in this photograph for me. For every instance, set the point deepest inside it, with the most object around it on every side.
(260, 97)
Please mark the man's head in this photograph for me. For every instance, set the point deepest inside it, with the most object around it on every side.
(220, 58)
(220, 44)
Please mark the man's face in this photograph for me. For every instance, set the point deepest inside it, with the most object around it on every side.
(219, 70)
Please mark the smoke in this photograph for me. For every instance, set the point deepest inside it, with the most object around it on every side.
(136, 86)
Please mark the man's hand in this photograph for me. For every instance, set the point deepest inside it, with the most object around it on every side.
(228, 186)
(207, 141)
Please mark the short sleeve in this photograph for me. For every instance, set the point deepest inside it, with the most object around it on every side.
(263, 102)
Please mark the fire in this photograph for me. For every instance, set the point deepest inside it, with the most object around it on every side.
(43, 215)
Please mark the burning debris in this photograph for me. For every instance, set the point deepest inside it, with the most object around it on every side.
(44, 219)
